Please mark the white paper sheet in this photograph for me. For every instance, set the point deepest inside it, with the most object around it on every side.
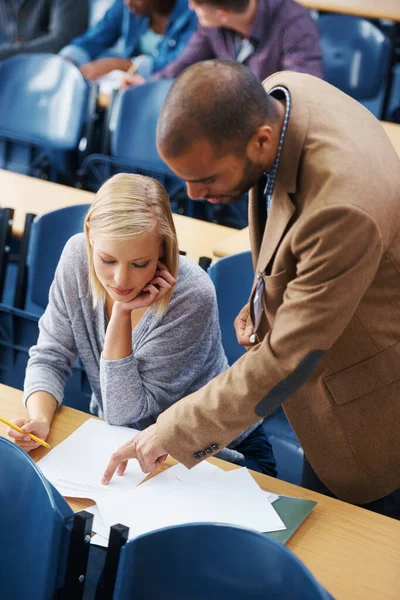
(228, 497)
(99, 540)
(75, 466)
(98, 525)
(111, 81)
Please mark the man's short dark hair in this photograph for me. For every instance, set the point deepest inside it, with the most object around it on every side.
(238, 6)
(217, 100)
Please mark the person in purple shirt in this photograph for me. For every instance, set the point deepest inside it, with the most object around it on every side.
(265, 35)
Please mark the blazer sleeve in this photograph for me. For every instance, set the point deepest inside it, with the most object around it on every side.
(334, 270)
(68, 18)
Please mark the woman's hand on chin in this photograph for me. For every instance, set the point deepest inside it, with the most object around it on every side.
(160, 285)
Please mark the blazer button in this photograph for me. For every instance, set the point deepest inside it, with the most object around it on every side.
(208, 451)
(214, 447)
(202, 453)
(196, 455)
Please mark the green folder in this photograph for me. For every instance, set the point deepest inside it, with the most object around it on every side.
(292, 511)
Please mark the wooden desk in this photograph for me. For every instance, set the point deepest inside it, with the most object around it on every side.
(27, 194)
(393, 132)
(239, 241)
(370, 9)
(354, 553)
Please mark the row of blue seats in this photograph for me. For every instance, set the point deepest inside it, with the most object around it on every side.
(48, 129)
(209, 561)
(25, 297)
(48, 111)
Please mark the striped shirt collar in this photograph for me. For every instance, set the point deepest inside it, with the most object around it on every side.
(270, 177)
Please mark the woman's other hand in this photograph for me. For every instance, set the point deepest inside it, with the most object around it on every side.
(40, 428)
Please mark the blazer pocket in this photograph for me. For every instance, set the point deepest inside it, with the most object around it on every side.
(274, 288)
(367, 397)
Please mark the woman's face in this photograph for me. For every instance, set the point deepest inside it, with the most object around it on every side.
(124, 268)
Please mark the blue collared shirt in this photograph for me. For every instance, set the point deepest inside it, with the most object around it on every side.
(121, 25)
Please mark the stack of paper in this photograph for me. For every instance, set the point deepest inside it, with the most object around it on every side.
(179, 496)
(174, 497)
(75, 467)
(111, 81)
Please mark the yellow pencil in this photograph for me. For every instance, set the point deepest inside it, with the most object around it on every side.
(132, 69)
(33, 437)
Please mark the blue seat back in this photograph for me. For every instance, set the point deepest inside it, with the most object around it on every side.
(210, 561)
(233, 278)
(355, 53)
(43, 97)
(46, 115)
(133, 124)
(50, 232)
(35, 526)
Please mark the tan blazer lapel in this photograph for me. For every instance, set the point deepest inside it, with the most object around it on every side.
(281, 211)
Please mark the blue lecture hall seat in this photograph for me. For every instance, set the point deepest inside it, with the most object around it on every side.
(233, 279)
(356, 55)
(48, 236)
(39, 533)
(47, 112)
(210, 561)
(131, 137)
(44, 241)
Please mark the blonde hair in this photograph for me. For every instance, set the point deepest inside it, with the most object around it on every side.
(128, 206)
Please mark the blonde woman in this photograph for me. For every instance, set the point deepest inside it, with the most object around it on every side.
(142, 319)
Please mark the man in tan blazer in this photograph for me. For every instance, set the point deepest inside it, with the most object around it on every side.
(323, 322)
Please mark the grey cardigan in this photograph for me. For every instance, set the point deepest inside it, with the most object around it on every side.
(172, 356)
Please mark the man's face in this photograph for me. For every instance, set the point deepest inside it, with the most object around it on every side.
(208, 15)
(214, 177)
(142, 8)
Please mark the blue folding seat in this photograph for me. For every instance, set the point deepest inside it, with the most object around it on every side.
(44, 239)
(356, 55)
(233, 279)
(210, 561)
(43, 547)
(47, 112)
(130, 139)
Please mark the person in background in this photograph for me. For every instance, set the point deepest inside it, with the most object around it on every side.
(142, 320)
(265, 35)
(145, 35)
(40, 25)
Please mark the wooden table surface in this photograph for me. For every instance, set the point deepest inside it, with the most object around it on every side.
(370, 9)
(239, 241)
(27, 194)
(354, 553)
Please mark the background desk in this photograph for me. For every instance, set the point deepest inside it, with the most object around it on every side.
(354, 553)
(240, 241)
(370, 9)
(29, 195)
